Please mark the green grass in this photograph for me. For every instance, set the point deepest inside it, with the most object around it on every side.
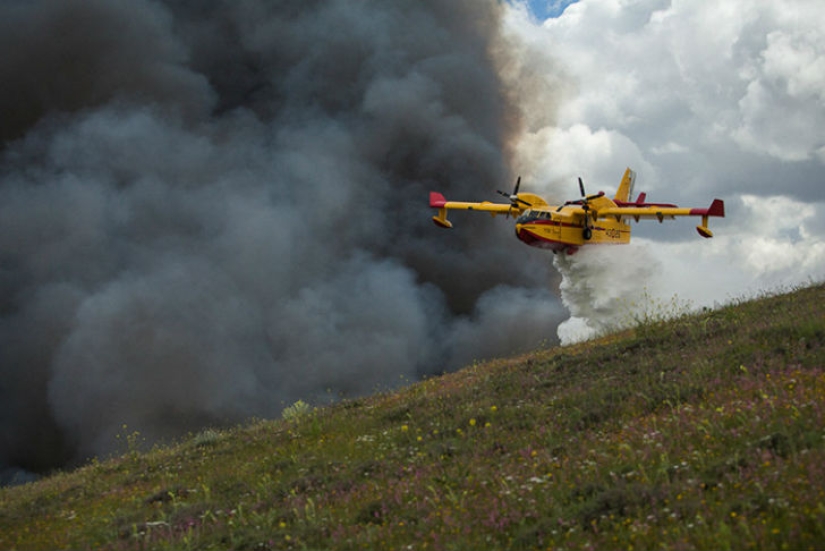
(704, 432)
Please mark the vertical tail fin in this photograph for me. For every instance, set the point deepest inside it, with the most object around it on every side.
(626, 186)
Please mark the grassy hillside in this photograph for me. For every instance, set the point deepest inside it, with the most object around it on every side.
(705, 432)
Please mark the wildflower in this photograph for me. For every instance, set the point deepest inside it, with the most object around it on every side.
(404, 428)
(472, 422)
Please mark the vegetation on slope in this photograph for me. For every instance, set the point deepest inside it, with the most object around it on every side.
(704, 432)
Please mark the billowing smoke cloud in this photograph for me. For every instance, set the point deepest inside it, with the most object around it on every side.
(211, 209)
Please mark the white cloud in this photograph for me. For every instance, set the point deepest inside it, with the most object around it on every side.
(589, 153)
(782, 243)
(784, 107)
(703, 99)
(744, 72)
(797, 61)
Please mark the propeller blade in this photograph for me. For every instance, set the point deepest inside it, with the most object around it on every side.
(514, 199)
(581, 187)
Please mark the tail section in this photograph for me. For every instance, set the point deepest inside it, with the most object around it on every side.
(438, 201)
(625, 190)
(717, 208)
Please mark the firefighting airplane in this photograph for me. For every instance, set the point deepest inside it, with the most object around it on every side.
(593, 219)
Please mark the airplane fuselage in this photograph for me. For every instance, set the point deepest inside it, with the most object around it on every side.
(561, 232)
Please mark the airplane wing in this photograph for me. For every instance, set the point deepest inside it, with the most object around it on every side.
(437, 201)
(663, 211)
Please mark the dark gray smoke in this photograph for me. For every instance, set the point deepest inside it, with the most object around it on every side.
(210, 209)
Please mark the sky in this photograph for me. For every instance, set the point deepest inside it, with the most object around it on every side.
(702, 100)
(546, 9)
(210, 210)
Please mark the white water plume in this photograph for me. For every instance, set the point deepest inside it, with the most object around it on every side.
(606, 288)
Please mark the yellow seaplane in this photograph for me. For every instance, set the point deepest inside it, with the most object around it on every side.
(593, 219)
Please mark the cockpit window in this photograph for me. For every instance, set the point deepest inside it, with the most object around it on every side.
(525, 216)
(529, 215)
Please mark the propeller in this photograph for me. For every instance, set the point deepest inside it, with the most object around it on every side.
(513, 197)
(586, 208)
(584, 199)
(588, 232)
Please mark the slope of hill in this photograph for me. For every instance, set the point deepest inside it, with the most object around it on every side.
(704, 432)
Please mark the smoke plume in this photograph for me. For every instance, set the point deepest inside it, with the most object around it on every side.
(211, 209)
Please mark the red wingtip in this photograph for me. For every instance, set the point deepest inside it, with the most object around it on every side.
(437, 200)
(717, 208)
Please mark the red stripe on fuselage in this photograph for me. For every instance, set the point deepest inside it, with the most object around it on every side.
(530, 238)
(553, 223)
(534, 240)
